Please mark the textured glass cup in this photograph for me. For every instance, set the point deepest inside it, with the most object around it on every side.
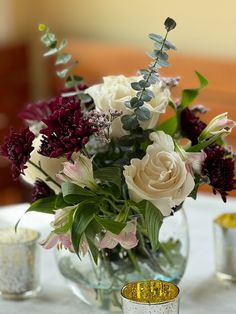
(225, 246)
(151, 297)
(19, 263)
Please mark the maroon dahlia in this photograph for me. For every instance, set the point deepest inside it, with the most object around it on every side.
(219, 168)
(191, 125)
(17, 148)
(41, 190)
(67, 130)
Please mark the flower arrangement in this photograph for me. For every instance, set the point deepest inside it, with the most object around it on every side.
(102, 163)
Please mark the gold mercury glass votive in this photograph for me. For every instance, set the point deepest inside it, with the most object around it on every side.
(19, 263)
(225, 246)
(151, 296)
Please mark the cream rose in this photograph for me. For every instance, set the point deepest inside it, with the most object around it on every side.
(115, 90)
(160, 177)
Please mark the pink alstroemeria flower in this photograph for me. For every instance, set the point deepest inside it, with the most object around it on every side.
(219, 125)
(80, 172)
(54, 239)
(127, 238)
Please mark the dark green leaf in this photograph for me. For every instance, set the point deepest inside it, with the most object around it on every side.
(63, 58)
(59, 202)
(109, 174)
(74, 194)
(169, 24)
(82, 217)
(110, 225)
(144, 84)
(44, 205)
(153, 219)
(93, 249)
(143, 114)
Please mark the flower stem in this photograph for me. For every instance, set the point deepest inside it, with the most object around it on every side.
(45, 173)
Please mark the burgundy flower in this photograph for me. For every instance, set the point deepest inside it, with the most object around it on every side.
(41, 190)
(191, 125)
(219, 168)
(38, 111)
(17, 148)
(67, 130)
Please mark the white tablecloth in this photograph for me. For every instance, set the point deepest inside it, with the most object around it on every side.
(201, 292)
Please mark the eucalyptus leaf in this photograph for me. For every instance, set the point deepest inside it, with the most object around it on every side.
(129, 122)
(170, 24)
(50, 52)
(136, 86)
(62, 73)
(156, 37)
(62, 44)
(63, 58)
(143, 114)
(49, 40)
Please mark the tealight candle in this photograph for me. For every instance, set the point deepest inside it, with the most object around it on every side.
(225, 246)
(151, 296)
(19, 263)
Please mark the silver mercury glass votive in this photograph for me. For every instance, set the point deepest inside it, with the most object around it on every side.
(225, 246)
(19, 263)
(151, 297)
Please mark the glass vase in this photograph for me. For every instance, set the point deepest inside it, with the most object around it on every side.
(99, 284)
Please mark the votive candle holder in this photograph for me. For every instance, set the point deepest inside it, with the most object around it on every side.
(19, 263)
(151, 297)
(225, 246)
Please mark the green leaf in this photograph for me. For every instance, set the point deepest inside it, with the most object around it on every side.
(153, 219)
(73, 194)
(73, 80)
(169, 126)
(110, 225)
(43, 205)
(59, 202)
(83, 215)
(200, 146)
(109, 174)
(84, 97)
(189, 95)
(130, 122)
(63, 44)
(143, 114)
(63, 58)
(93, 249)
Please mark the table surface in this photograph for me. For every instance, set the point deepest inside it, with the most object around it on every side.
(201, 292)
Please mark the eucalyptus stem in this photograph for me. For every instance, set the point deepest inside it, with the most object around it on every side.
(45, 173)
(153, 66)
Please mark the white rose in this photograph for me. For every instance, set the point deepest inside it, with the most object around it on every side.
(115, 90)
(51, 166)
(160, 177)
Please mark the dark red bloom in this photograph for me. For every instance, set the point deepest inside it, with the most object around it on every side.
(191, 125)
(67, 130)
(17, 148)
(219, 168)
(41, 190)
(38, 111)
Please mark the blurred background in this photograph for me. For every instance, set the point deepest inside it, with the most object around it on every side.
(110, 37)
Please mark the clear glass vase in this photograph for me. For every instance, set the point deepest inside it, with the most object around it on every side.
(100, 284)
